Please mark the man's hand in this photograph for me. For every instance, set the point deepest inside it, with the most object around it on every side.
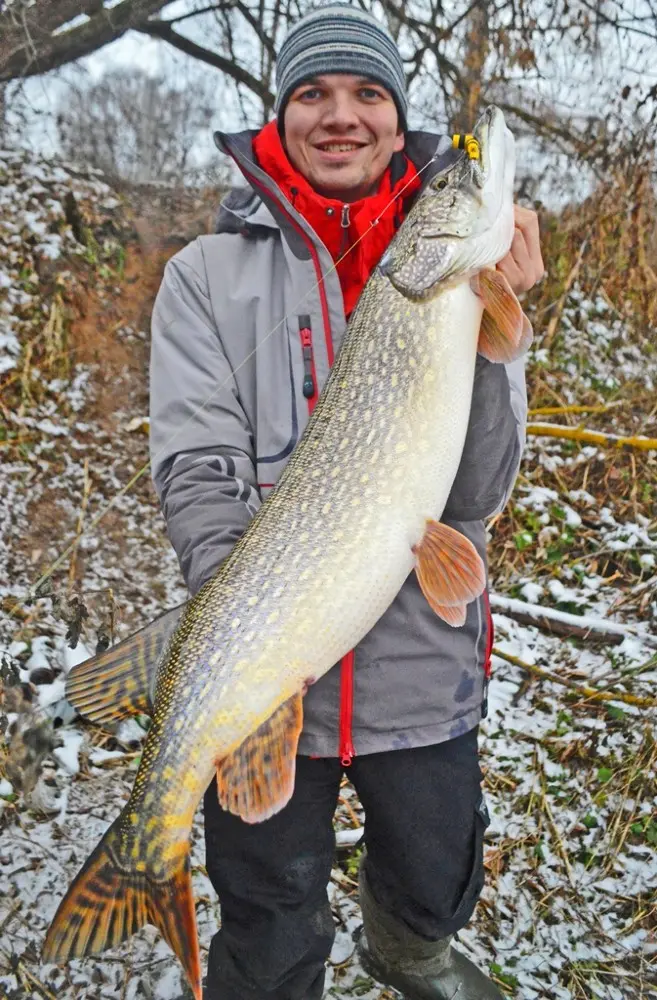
(523, 265)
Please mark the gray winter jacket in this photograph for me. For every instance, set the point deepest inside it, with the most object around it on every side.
(228, 407)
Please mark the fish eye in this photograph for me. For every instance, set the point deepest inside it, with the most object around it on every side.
(440, 184)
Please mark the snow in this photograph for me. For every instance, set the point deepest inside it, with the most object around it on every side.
(569, 782)
(68, 755)
(532, 591)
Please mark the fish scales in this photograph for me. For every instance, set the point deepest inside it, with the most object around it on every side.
(357, 508)
(293, 598)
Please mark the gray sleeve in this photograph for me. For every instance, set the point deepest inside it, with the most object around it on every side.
(494, 442)
(202, 456)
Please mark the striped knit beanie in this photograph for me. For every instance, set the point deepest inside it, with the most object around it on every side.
(339, 39)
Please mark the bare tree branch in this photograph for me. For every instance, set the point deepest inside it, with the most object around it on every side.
(163, 30)
(28, 45)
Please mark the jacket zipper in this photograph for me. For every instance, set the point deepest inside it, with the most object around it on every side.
(488, 661)
(346, 750)
(309, 374)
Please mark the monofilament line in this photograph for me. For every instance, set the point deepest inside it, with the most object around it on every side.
(33, 590)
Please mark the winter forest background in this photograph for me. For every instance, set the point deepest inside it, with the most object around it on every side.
(134, 86)
(107, 168)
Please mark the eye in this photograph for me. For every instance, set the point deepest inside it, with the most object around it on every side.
(310, 94)
(370, 93)
(442, 183)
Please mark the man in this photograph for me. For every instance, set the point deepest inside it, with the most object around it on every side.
(245, 328)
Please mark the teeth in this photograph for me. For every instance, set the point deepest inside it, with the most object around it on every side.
(339, 147)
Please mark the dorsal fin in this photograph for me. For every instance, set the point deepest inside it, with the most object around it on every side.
(121, 681)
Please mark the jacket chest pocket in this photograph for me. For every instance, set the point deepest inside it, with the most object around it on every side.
(287, 393)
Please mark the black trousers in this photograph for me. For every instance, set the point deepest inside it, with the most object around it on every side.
(424, 826)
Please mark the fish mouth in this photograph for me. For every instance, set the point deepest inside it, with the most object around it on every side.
(462, 221)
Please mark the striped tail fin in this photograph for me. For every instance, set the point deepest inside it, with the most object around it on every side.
(107, 903)
(121, 681)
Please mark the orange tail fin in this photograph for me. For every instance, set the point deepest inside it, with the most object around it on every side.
(106, 904)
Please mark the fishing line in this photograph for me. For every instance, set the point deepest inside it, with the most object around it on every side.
(33, 590)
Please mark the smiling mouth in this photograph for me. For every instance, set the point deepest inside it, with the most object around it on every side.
(339, 147)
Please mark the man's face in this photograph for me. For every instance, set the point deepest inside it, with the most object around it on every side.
(340, 132)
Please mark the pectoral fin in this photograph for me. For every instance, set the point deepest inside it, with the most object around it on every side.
(450, 571)
(121, 681)
(257, 780)
(505, 333)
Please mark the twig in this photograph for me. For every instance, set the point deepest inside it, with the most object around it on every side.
(344, 801)
(78, 531)
(582, 690)
(561, 847)
(24, 971)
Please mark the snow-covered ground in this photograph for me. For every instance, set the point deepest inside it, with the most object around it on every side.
(570, 907)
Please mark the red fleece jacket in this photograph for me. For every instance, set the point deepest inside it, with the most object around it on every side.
(340, 225)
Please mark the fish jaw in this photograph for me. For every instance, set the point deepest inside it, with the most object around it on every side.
(463, 220)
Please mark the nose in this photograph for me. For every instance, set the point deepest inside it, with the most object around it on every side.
(341, 113)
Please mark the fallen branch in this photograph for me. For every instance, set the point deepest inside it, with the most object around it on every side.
(563, 623)
(591, 694)
(592, 437)
(555, 411)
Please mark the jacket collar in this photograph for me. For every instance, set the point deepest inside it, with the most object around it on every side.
(272, 209)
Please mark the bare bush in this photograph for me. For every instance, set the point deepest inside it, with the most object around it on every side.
(136, 128)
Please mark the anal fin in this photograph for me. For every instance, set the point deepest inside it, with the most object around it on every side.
(120, 682)
(450, 571)
(257, 780)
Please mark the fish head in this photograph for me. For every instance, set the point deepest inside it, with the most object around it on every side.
(463, 219)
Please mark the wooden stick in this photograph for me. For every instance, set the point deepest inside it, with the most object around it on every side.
(563, 623)
(563, 629)
(591, 437)
(593, 694)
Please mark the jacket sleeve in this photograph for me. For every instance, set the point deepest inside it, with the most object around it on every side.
(202, 450)
(494, 442)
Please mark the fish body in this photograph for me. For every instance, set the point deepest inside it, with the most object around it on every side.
(357, 508)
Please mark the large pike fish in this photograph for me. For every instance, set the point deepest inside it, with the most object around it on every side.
(357, 508)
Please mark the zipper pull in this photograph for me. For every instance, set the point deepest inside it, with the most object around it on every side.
(344, 225)
(305, 333)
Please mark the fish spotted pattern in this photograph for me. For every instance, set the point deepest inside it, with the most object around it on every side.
(357, 508)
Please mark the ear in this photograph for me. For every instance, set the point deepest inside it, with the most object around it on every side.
(400, 142)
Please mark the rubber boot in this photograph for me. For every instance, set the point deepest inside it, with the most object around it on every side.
(393, 954)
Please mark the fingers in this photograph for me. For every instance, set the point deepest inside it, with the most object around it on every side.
(523, 265)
